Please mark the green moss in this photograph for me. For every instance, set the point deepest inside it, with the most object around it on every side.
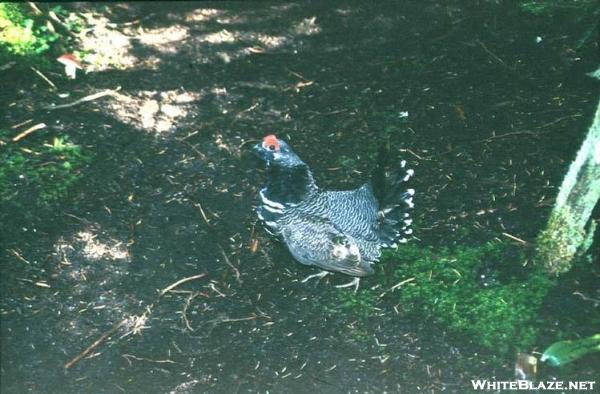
(557, 244)
(447, 289)
(38, 173)
(361, 304)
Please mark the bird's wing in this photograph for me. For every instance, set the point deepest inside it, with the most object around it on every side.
(314, 240)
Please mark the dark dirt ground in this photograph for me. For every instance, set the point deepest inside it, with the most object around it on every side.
(494, 116)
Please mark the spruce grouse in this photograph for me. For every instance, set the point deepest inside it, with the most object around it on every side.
(340, 231)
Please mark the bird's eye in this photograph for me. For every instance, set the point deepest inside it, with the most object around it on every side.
(271, 147)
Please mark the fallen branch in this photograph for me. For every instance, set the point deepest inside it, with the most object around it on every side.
(30, 130)
(91, 97)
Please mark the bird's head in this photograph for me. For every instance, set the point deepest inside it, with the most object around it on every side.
(276, 152)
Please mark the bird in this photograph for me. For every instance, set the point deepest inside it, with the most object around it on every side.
(337, 231)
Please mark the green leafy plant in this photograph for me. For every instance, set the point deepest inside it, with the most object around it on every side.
(20, 34)
(41, 173)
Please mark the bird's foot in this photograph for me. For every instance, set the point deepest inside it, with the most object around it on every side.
(320, 275)
(355, 282)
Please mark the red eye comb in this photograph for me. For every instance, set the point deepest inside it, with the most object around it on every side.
(271, 140)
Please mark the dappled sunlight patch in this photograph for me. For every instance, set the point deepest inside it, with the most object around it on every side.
(91, 245)
(108, 48)
(307, 27)
(105, 47)
(220, 37)
(163, 36)
(92, 267)
(271, 41)
(91, 256)
(203, 15)
(95, 249)
(153, 111)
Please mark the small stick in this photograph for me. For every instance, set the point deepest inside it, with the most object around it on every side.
(199, 206)
(228, 320)
(29, 131)
(237, 272)
(185, 308)
(414, 154)
(586, 298)
(515, 238)
(127, 356)
(492, 54)
(401, 283)
(94, 345)
(397, 285)
(91, 97)
(44, 77)
(181, 281)
(21, 124)
(34, 7)
(18, 255)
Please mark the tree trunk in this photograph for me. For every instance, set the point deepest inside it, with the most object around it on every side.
(566, 235)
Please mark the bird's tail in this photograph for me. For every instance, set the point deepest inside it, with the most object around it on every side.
(394, 197)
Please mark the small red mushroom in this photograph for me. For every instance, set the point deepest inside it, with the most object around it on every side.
(71, 64)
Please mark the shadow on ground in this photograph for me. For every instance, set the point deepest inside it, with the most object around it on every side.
(487, 115)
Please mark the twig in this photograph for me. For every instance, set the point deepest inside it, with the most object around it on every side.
(397, 285)
(239, 114)
(18, 255)
(30, 130)
(43, 77)
(34, 7)
(179, 282)
(515, 238)
(414, 154)
(228, 320)
(490, 52)
(96, 343)
(185, 308)
(586, 298)
(527, 132)
(91, 97)
(127, 356)
(297, 75)
(56, 19)
(21, 124)
(197, 205)
(237, 272)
